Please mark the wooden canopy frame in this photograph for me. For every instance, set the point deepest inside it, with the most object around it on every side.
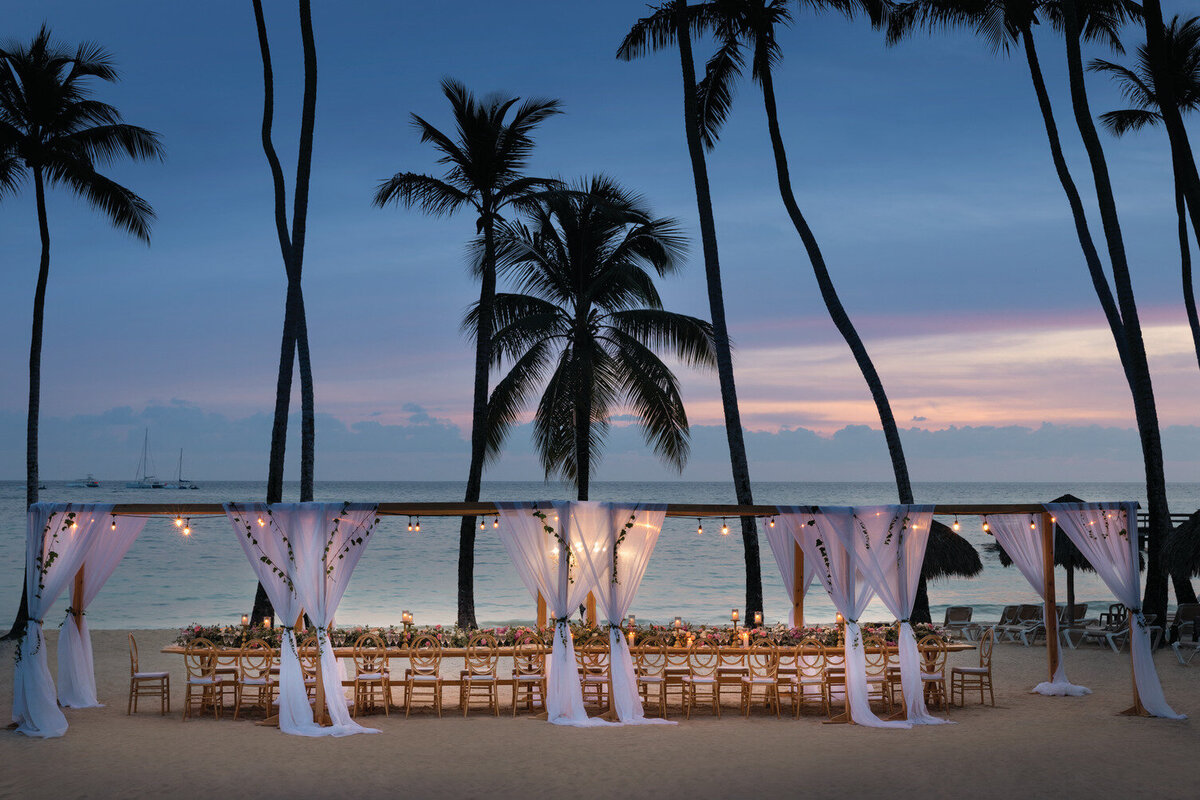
(459, 509)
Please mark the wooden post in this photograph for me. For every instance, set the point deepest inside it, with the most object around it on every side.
(319, 714)
(798, 586)
(77, 600)
(591, 609)
(541, 611)
(1048, 589)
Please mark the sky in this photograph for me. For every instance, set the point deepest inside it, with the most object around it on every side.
(922, 168)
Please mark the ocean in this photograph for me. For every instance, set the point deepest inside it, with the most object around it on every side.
(168, 580)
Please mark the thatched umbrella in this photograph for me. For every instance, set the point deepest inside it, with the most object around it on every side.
(1181, 551)
(946, 555)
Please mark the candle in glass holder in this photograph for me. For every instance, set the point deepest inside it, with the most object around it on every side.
(245, 620)
(840, 618)
(266, 622)
(691, 640)
(758, 618)
(745, 639)
(632, 637)
(632, 621)
(733, 615)
(678, 623)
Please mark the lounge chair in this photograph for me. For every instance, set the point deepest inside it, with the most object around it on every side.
(1183, 625)
(1028, 621)
(958, 620)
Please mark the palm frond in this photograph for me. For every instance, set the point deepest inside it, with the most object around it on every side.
(652, 393)
(429, 194)
(124, 208)
(714, 92)
(1121, 122)
(512, 394)
(104, 143)
(687, 338)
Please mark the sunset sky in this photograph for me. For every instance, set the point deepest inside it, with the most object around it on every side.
(923, 169)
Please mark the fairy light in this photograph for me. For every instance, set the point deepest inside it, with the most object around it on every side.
(481, 523)
(1032, 525)
(260, 522)
(724, 528)
(417, 527)
(956, 526)
(178, 522)
(699, 527)
(187, 528)
(986, 528)
(410, 524)
(114, 523)
(496, 522)
(771, 523)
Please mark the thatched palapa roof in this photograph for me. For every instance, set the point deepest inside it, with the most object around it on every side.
(949, 555)
(1066, 554)
(1181, 551)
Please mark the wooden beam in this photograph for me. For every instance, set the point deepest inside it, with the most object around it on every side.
(1051, 608)
(591, 609)
(798, 585)
(541, 612)
(77, 600)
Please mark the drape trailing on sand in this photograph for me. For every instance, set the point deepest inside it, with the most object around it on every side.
(544, 547)
(310, 551)
(57, 539)
(1106, 534)
(826, 536)
(76, 671)
(783, 547)
(1021, 536)
(617, 542)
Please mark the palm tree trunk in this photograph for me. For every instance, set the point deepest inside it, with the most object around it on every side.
(1185, 261)
(583, 411)
(1086, 243)
(1155, 599)
(35, 382)
(479, 420)
(299, 228)
(1070, 595)
(716, 303)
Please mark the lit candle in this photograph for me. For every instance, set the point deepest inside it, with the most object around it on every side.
(745, 636)
(840, 618)
(632, 621)
(691, 640)
(678, 623)
(733, 615)
(245, 620)
(758, 618)
(266, 622)
(632, 636)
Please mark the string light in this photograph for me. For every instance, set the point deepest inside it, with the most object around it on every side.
(410, 524)
(496, 522)
(1032, 526)
(481, 523)
(418, 526)
(187, 528)
(114, 523)
(699, 526)
(260, 522)
(986, 528)
(178, 522)
(724, 528)
(772, 522)
(956, 526)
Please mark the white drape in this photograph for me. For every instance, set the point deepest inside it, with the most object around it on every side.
(536, 547)
(826, 536)
(57, 539)
(76, 671)
(1106, 534)
(291, 548)
(1021, 536)
(783, 547)
(889, 546)
(628, 533)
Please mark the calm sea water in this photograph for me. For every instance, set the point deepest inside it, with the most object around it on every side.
(167, 580)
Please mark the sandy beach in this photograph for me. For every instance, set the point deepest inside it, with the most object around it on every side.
(1027, 744)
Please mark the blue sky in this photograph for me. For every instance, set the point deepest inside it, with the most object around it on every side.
(922, 168)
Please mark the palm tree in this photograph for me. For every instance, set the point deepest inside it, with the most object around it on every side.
(1181, 43)
(291, 245)
(484, 171)
(674, 23)
(52, 128)
(587, 326)
(1002, 23)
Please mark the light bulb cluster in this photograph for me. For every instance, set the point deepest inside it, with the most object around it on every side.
(414, 528)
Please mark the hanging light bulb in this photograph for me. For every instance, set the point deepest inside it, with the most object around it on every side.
(496, 522)
(178, 521)
(418, 525)
(260, 522)
(114, 523)
(986, 528)
(772, 522)
(410, 524)
(481, 523)
(724, 528)
(956, 526)
(187, 528)
(699, 526)
(1031, 524)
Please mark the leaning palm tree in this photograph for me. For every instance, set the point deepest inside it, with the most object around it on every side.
(674, 23)
(53, 129)
(1181, 42)
(586, 327)
(484, 172)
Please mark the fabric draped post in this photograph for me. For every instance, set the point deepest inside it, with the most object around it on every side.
(1022, 537)
(784, 549)
(1106, 534)
(544, 549)
(889, 548)
(57, 539)
(617, 543)
(826, 537)
(303, 554)
(76, 671)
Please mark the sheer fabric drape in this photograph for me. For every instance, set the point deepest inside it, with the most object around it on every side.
(1021, 536)
(57, 539)
(311, 550)
(889, 548)
(76, 671)
(826, 537)
(1106, 534)
(783, 547)
(546, 551)
(617, 543)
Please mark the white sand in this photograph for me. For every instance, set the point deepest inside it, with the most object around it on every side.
(1027, 745)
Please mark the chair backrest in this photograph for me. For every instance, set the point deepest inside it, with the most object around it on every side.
(731, 657)
(762, 660)
(425, 654)
(133, 655)
(933, 653)
(650, 657)
(370, 654)
(482, 654)
(592, 660)
(1080, 611)
(255, 659)
(810, 658)
(703, 658)
(986, 641)
(1187, 612)
(1009, 615)
(309, 653)
(958, 614)
(529, 655)
(1030, 612)
(877, 656)
(200, 659)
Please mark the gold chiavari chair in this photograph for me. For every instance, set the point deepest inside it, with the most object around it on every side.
(810, 676)
(203, 691)
(529, 672)
(650, 664)
(980, 677)
(730, 671)
(372, 681)
(933, 670)
(593, 672)
(703, 660)
(879, 659)
(146, 684)
(255, 677)
(309, 654)
(762, 667)
(480, 678)
(834, 673)
(676, 669)
(423, 675)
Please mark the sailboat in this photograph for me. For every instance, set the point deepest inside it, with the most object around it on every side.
(180, 481)
(144, 480)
